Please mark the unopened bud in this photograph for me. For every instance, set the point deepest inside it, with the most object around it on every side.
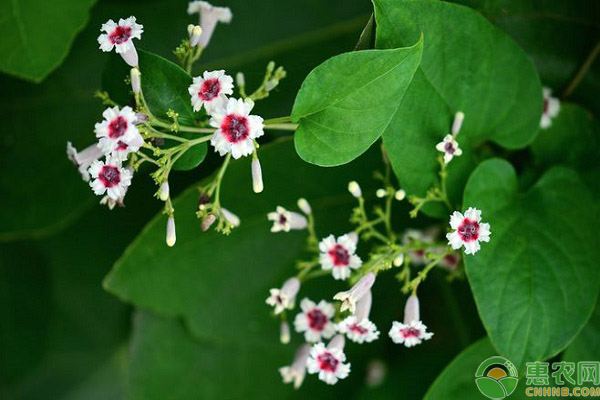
(163, 192)
(257, 180)
(233, 219)
(240, 79)
(284, 332)
(271, 84)
(400, 195)
(354, 189)
(171, 237)
(457, 124)
(271, 66)
(304, 206)
(195, 35)
(399, 260)
(190, 29)
(207, 222)
(381, 193)
(135, 80)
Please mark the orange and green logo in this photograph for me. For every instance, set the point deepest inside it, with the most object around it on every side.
(496, 378)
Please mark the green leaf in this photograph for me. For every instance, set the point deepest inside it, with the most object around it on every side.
(535, 283)
(234, 273)
(37, 35)
(366, 40)
(464, 68)
(557, 35)
(165, 86)
(346, 103)
(586, 345)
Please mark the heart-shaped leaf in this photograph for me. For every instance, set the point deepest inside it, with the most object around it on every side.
(464, 68)
(346, 103)
(165, 86)
(535, 283)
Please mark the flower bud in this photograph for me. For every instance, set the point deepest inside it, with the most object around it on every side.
(400, 195)
(354, 189)
(190, 29)
(411, 310)
(457, 124)
(240, 79)
(135, 80)
(195, 35)
(271, 84)
(381, 193)
(233, 219)
(399, 260)
(257, 181)
(207, 222)
(304, 206)
(284, 332)
(171, 238)
(163, 191)
(376, 372)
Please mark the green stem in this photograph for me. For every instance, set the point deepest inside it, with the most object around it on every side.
(282, 127)
(582, 71)
(279, 120)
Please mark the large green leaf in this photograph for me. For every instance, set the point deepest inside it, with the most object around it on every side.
(536, 281)
(464, 68)
(37, 35)
(586, 345)
(40, 119)
(346, 103)
(165, 86)
(233, 273)
(557, 35)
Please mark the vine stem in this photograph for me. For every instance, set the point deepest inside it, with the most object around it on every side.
(279, 120)
(582, 71)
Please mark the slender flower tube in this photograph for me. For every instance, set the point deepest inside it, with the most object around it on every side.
(360, 289)
(285, 221)
(284, 332)
(295, 373)
(120, 37)
(285, 297)
(412, 332)
(84, 158)
(136, 85)
(233, 219)
(457, 124)
(209, 17)
(257, 180)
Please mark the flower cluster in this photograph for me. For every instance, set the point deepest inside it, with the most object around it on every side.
(414, 253)
(129, 136)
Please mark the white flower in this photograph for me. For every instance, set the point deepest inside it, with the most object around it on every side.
(550, 110)
(84, 159)
(109, 178)
(117, 133)
(449, 147)
(295, 373)
(350, 297)
(339, 255)
(120, 37)
(450, 261)
(354, 189)
(468, 230)
(209, 16)
(236, 129)
(285, 297)
(304, 206)
(359, 332)
(315, 320)
(284, 220)
(110, 203)
(412, 332)
(328, 362)
(211, 90)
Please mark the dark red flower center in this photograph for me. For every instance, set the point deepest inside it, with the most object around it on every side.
(546, 105)
(451, 259)
(339, 255)
(235, 127)
(449, 148)
(122, 146)
(328, 362)
(210, 89)
(316, 319)
(282, 219)
(468, 230)
(120, 35)
(358, 329)
(109, 176)
(117, 127)
(410, 332)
